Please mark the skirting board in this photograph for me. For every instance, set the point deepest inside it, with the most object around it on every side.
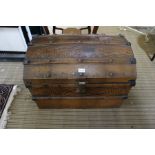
(132, 29)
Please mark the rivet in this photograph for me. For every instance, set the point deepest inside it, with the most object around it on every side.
(111, 60)
(128, 43)
(45, 85)
(27, 61)
(48, 75)
(80, 60)
(77, 90)
(111, 74)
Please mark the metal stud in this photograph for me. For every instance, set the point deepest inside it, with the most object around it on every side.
(110, 74)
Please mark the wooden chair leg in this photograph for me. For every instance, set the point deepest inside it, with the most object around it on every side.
(46, 30)
(153, 57)
(95, 29)
(54, 27)
(89, 29)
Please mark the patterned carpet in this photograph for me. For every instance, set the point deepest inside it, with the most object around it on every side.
(5, 91)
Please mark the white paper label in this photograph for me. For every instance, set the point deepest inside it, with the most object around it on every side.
(81, 70)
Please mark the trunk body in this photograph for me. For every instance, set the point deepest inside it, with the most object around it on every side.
(79, 71)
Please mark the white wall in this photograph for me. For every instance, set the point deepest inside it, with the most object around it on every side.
(12, 39)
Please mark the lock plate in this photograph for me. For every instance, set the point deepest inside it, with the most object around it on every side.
(81, 71)
(82, 87)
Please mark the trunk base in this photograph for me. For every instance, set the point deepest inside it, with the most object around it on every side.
(78, 103)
